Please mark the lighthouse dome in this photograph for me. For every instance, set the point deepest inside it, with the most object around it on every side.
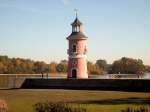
(77, 31)
(76, 35)
(76, 22)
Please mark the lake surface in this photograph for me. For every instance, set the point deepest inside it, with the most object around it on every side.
(121, 76)
(15, 80)
(146, 75)
(106, 76)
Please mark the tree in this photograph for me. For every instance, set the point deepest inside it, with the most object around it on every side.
(62, 66)
(25, 66)
(39, 67)
(128, 66)
(3, 64)
(147, 68)
(4, 58)
(64, 62)
(1, 68)
(101, 64)
(93, 69)
(29, 66)
(52, 67)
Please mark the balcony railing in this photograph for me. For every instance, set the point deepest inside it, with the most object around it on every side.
(70, 52)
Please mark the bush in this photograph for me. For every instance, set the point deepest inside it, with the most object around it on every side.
(140, 109)
(56, 107)
(3, 106)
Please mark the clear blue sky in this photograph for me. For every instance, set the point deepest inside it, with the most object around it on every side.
(37, 29)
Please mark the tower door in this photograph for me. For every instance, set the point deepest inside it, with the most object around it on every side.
(74, 73)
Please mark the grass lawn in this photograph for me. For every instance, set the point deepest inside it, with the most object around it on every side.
(22, 100)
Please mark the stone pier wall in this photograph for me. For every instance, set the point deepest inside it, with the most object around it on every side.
(90, 84)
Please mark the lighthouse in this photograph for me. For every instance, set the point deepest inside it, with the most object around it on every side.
(77, 64)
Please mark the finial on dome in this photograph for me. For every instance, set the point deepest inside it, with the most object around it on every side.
(76, 12)
(76, 21)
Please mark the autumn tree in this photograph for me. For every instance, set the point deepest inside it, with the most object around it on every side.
(128, 66)
(93, 69)
(27, 66)
(52, 67)
(147, 68)
(101, 64)
(62, 66)
(39, 67)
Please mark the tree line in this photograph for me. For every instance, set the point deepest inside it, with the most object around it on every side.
(26, 66)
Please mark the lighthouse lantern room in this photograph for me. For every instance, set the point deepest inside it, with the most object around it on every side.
(77, 64)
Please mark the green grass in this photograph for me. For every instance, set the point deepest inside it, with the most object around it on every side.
(22, 100)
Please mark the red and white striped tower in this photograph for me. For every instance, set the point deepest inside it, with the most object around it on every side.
(77, 64)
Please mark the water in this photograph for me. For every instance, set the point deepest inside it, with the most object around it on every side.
(15, 80)
(121, 76)
(146, 76)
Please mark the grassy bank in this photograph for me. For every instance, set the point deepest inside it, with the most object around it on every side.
(22, 100)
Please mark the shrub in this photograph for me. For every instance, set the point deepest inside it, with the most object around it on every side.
(140, 109)
(3, 106)
(56, 107)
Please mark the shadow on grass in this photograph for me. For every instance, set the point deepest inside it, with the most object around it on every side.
(132, 100)
(9, 88)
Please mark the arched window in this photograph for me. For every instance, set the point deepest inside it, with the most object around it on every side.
(75, 28)
(74, 48)
(74, 73)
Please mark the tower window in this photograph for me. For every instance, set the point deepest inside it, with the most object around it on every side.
(74, 49)
(76, 28)
(74, 73)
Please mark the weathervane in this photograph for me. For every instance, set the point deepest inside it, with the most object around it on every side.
(76, 11)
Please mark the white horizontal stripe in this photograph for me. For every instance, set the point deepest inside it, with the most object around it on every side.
(78, 56)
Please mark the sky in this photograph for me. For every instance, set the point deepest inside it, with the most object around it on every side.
(37, 29)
